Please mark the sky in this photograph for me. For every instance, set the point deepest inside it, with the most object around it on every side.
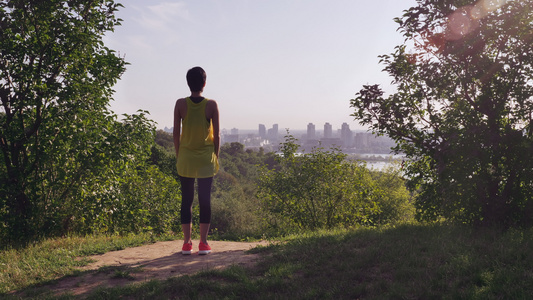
(285, 62)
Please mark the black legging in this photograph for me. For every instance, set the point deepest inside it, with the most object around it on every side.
(204, 198)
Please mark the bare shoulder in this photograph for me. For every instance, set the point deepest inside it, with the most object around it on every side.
(180, 110)
(181, 104)
(211, 105)
(181, 101)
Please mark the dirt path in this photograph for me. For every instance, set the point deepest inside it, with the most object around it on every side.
(160, 260)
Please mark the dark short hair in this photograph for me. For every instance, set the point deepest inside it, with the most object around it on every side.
(196, 79)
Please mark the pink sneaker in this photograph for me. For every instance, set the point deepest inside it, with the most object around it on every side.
(186, 249)
(204, 249)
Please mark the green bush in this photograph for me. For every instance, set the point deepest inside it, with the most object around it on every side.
(394, 199)
(145, 200)
(236, 211)
(234, 214)
(321, 189)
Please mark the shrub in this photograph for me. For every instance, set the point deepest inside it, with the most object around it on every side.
(145, 200)
(321, 189)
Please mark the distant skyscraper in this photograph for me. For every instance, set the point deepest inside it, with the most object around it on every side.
(346, 136)
(234, 131)
(345, 126)
(328, 131)
(262, 131)
(275, 129)
(311, 131)
(272, 133)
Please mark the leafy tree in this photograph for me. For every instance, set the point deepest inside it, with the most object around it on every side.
(463, 109)
(321, 189)
(394, 198)
(165, 140)
(57, 136)
(164, 159)
(142, 199)
(236, 209)
(243, 163)
(116, 172)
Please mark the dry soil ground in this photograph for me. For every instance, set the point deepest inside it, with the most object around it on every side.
(160, 260)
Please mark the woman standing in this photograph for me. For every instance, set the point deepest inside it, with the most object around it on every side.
(197, 143)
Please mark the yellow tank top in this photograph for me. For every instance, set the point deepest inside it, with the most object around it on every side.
(196, 158)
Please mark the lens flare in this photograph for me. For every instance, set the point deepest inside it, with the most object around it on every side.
(465, 19)
(492, 5)
(461, 23)
(478, 12)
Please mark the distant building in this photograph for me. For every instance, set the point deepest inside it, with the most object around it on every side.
(346, 136)
(275, 129)
(231, 138)
(361, 140)
(272, 133)
(331, 143)
(367, 142)
(343, 138)
(262, 131)
(311, 131)
(328, 131)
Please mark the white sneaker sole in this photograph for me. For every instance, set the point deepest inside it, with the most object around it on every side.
(186, 252)
(204, 252)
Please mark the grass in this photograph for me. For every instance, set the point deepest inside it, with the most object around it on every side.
(404, 262)
(55, 258)
(120, 272)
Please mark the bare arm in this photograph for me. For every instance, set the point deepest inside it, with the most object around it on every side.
(178, 116)
(212, 113)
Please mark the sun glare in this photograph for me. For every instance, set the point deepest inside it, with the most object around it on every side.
(465, 19)
(461, 23)
(492, 5)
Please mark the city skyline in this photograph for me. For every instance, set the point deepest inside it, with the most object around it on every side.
(281, 129)
(344, 138)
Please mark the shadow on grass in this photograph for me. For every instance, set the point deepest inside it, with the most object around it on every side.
(408, 261)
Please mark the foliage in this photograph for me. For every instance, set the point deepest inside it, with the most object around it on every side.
(242, 163)
(63, 153)
(463, 109)
(165, 140)
(321, 189)
(144, 200)
(395, 201)
(130, 194)
(165, 160)
(236, 210)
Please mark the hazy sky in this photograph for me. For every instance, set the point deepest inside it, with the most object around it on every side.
(289, 62)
